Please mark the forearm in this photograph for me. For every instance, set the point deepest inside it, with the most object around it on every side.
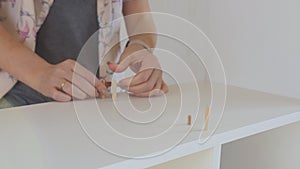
(139, 22)
(18, 60)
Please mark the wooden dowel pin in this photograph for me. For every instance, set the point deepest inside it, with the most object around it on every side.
(102, 96)
(114, 90)
(206, 117)
(189, 120)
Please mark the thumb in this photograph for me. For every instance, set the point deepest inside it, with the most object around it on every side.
(118, 67)
(123, 64)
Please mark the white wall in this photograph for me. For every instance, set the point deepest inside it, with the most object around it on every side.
(259, 43)
(184, 9)
(258, 40)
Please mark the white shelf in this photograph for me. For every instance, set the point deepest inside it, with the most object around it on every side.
(50, 136)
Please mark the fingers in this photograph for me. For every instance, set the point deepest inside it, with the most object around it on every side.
(77, 68)
(139, 78)
(76, 81)
(74, 91)
(145, 86)
(83, 85)
(84, 73)
(83, 79)
(102, 90)
(123, 64)
(157, 91)
(60, 96)
(164, 88)
(121, 67)
(142, 76)
(158, 84)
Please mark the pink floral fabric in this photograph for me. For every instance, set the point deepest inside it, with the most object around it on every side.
(23, 18)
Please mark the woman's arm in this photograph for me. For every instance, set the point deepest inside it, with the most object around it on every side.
(140, 26)
(139, 22)
(18, 60)
(28, 67)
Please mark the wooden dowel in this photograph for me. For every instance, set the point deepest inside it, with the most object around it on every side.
(114, 90)
(189, 120)
(206, 117)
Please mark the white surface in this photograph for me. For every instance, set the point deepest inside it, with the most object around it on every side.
(276, 149)
(49, 135)
(257, 39)
(216, 163)
(200, 160)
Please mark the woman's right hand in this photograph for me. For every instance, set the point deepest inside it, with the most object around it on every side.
(61, 82)
(68, 80)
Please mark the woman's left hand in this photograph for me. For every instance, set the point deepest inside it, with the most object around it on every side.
(148, 79)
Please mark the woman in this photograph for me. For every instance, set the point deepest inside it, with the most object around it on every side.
(40, 42)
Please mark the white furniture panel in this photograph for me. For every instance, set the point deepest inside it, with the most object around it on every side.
(49, 135)
(276, 149)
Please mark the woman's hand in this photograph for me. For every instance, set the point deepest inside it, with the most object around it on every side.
(61, 82)
(148, 79)
(68, 80)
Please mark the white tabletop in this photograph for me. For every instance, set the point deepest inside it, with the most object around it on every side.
(50, 136)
